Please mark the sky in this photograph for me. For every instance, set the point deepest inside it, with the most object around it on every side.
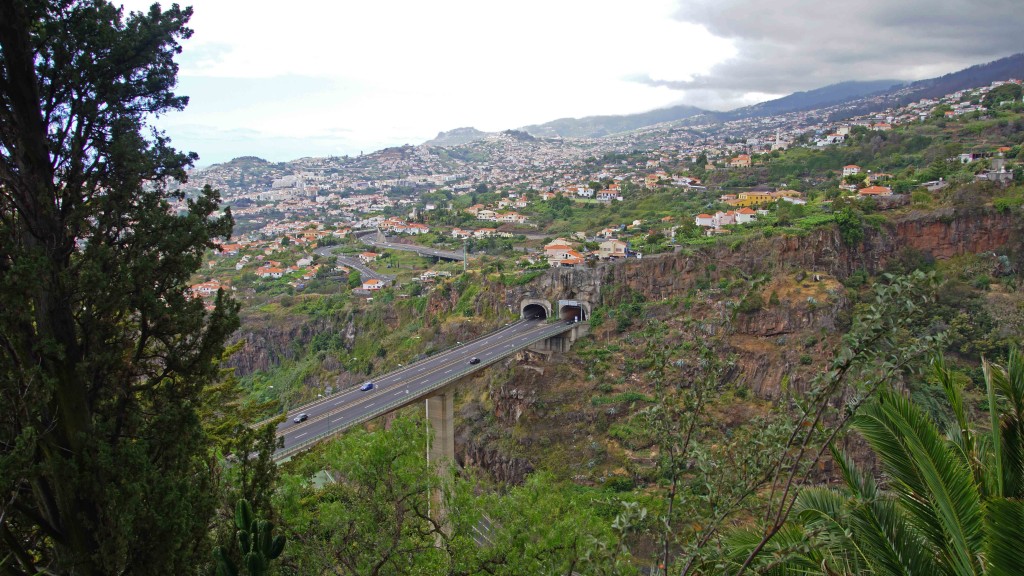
(335, 77)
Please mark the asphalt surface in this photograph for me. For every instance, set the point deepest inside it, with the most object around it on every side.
(408, 385)
(365, 272)
(421, 250)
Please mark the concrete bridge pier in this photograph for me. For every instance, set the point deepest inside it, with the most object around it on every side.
(562, 342)
(440, 412)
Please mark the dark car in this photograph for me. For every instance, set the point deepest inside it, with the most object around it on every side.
(474, 360)
(367, 386)
(300, 418)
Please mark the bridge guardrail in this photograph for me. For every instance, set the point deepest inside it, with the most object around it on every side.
(288, 452)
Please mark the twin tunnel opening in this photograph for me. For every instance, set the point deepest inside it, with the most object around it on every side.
(567, 312)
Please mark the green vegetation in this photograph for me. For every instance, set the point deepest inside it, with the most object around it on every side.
(952, 505)
(372, 510)
(256, 543)
(107, 444)
(128, 446)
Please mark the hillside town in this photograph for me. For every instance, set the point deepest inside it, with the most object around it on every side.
(500, 187)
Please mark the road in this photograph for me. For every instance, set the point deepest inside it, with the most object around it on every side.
(367, 238)
(407, 385)
(365, 272)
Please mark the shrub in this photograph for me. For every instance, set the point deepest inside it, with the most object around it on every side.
(619, 484)
(752, 303)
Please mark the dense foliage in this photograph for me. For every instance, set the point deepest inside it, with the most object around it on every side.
(104, 464)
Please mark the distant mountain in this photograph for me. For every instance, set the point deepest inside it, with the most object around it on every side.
(980, 75)
(519, 135)
(457, 137)
(244, 162)
(597, 126)
(853, 98)
(813, 99)
(973, 77)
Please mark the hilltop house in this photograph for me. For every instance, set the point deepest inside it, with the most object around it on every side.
(741, 161)
(751, 199)
(570, 259)
(204, 289)
(270, 272)
(745, 215)
(556, 249)
(612, 248)
(875, 191)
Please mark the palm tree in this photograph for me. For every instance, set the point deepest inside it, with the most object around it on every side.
(953, 503)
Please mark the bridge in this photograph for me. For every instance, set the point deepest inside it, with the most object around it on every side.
(430, 379)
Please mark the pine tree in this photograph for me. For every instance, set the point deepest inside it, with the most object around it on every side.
(104, 466)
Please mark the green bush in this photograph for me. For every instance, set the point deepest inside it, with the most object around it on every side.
(619, 484)
(751, 303)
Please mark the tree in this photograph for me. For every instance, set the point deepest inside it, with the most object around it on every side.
(355, 279)
(1009, 92)
(104, 465)
(850, 222)
(369, 512)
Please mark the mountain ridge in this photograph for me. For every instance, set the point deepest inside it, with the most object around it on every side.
(862, 97)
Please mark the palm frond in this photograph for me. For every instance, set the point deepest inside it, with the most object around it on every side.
(861, 483)
(934, 484)
(788, 553)
(1004, 531)
(889, 544)
(1007, 384)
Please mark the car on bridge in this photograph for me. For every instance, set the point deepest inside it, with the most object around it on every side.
(474, 360)
(301, 418)
(367, 386)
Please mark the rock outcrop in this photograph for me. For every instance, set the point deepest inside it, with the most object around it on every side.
(800, 311)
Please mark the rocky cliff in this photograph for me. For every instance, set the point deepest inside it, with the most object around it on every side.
(799, 309)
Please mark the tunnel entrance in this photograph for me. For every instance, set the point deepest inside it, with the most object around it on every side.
(535, 312)
(573, 310)
(572, 313)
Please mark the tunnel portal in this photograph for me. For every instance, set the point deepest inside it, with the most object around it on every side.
(535, 309)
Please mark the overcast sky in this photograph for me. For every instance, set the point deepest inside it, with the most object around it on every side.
(321, 77)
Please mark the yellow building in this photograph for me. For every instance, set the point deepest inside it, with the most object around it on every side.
(751, 199)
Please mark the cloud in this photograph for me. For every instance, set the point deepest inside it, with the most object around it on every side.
(791, 45)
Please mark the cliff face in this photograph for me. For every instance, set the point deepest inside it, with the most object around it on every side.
(801, 313)
(937, 235)
(268, 343)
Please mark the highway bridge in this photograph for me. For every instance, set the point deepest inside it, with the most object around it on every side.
(429, 380)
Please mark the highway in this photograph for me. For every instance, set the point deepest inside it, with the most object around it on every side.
(365, 272)
(421, 250)
(407, 385)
